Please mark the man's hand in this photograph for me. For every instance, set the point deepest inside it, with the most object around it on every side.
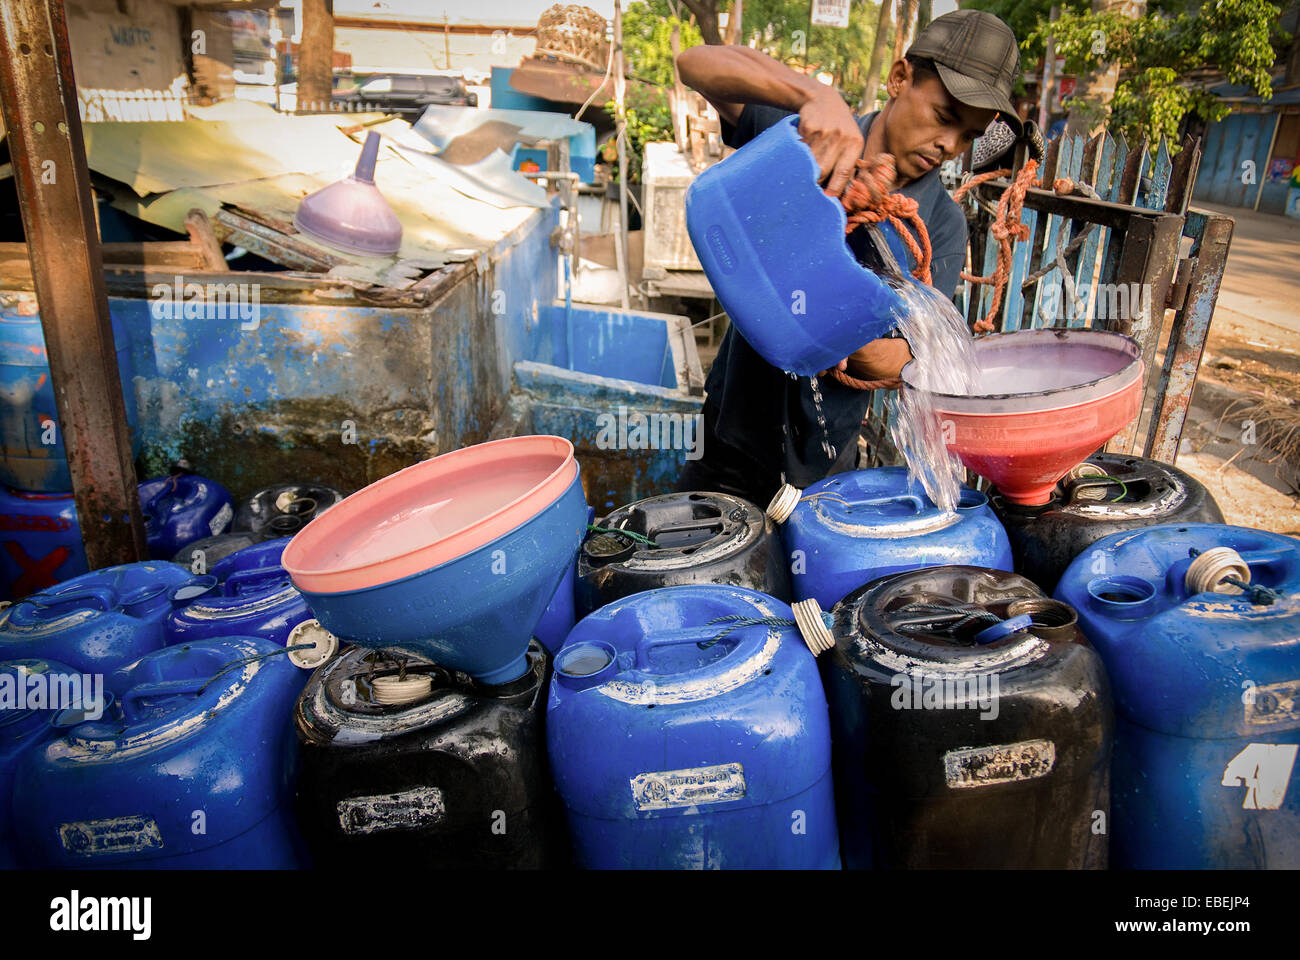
(881, 359)
(828, 126)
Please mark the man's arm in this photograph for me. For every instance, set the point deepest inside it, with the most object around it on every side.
(731, 76)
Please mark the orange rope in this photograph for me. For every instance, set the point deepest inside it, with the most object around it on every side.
(868, 200)
(1006, 229)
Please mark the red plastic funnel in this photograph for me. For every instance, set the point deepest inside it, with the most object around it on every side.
(1078, 388)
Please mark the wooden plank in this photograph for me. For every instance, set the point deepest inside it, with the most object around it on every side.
(38, 101)
(163, 253)
(1161, 167)
(1065, 309)
(1134, 165)
(1148, 259)
(201, 235)
(1066, 163)
(272, 243)
(1089, 256)
(1037, 234)
(1183, 175)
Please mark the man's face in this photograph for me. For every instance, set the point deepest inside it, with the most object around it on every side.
(926, 125)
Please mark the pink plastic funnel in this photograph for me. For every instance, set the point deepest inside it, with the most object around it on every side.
(352, 214)
(1075, 390)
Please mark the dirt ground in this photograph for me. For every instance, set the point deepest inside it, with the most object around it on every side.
(1243, 434)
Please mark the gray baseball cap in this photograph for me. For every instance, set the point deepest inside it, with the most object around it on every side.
(977, 58)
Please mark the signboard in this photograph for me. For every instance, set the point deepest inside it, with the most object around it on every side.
(1065, 86)
(830, 13)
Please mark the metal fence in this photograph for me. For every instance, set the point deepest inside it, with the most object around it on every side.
(1141, 263)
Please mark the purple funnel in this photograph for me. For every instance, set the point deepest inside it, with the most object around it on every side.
(352, 214)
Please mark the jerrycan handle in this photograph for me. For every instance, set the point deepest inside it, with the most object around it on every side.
(260, 576)
(103, 597)
(916, 503)
(666, 638)
(161, 688)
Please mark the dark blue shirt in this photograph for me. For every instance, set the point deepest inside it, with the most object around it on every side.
(766, 417)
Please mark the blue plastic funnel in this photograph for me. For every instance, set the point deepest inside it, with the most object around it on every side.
(504, 521)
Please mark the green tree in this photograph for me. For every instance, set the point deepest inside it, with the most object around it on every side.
(647, 40)
(784, 30)
(1158, 50)
(648, 53)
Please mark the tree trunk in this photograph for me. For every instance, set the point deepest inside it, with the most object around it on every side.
(735, 33)
(878, 48)
(706, 18)
(907, 14)
(316, 55)
(924, 14)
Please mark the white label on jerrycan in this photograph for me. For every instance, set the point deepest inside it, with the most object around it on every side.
(1003, 763)
(223, 517)
(688, 788)
(94, 838)
(407, 810)
(1277, 703)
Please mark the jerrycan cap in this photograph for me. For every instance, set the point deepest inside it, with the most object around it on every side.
(324, 645)
(783, 503)
(608, 546)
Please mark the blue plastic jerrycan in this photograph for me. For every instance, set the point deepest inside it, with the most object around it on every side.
(40, 542)
(98, 621)
(772, 245)
(1206, 678)
(195, 769)
(676, 743)
(849, 529)
(33, 695)
(32, 454)
(180, 509)
(246, 594)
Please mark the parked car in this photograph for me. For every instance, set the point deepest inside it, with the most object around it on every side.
(405, 94)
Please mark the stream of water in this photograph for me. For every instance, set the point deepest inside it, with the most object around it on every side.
(944, 362)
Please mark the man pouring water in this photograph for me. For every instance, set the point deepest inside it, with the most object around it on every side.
(762, 427)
